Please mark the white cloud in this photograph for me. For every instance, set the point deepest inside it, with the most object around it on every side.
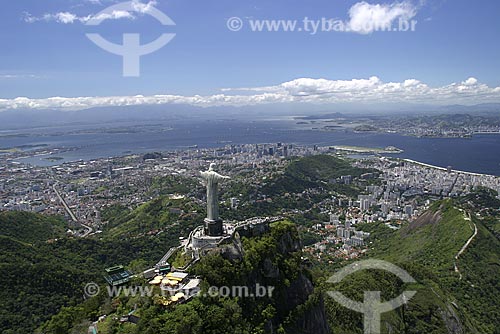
(366, 18)
(70, 18)
(18, 76)
(143, 8)
(470, 82)
(114, 15)
(63, 17)
(303, 90)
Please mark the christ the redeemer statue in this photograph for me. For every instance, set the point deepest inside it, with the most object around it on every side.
(213, 222)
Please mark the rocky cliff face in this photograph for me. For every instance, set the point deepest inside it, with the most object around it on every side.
(452, 321)
(313, 318)
(297, 309)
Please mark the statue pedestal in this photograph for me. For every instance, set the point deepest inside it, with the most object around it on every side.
(213, 228)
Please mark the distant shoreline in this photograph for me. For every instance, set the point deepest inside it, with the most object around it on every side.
(445, 169)
(360, 149)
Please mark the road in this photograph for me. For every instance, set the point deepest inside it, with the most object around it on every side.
(88, 229)
(465, 246)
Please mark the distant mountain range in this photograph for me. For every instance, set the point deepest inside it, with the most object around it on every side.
(29, 118)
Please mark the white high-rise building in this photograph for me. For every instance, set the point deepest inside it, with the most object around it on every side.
(364, 204)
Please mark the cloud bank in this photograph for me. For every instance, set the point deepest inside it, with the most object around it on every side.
(303, 90)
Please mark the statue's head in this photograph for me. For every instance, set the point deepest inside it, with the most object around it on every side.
(212, 167)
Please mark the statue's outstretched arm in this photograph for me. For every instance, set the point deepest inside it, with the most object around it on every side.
(222, 177)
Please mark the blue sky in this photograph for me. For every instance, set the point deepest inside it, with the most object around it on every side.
(43, 57)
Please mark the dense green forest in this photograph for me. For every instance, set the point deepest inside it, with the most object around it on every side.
(44, 269)
(317, 171)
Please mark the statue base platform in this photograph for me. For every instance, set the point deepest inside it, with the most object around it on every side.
(213, 228)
